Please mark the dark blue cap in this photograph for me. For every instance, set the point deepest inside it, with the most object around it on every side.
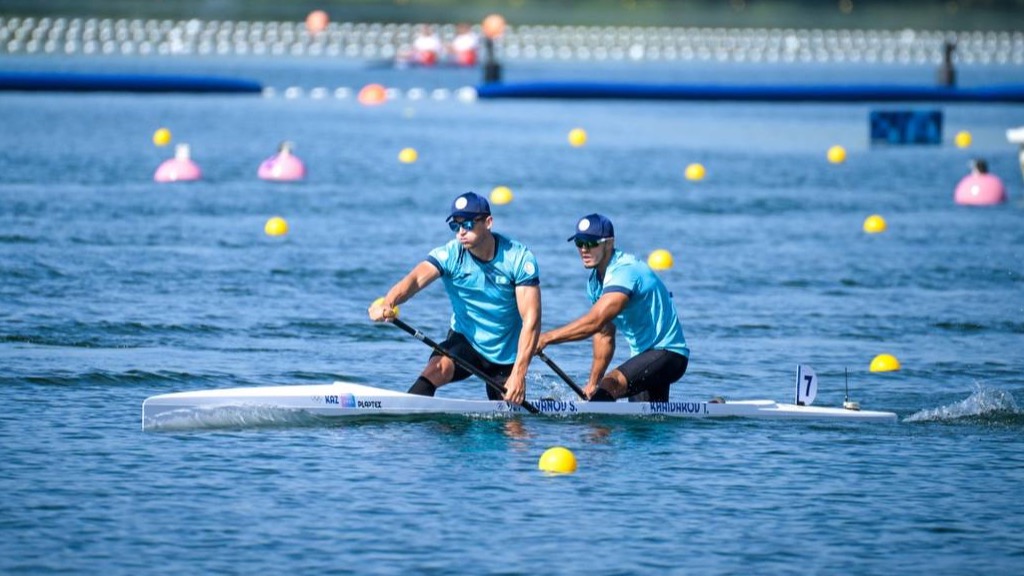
(470, 205)
(593, 227)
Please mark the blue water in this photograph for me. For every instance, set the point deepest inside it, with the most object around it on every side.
(114, 288)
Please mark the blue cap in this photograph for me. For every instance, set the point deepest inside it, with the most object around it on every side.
(470, 205)
(593, 227)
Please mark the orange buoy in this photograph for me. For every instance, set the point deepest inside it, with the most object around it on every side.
(372, 95)
(494, 26)
(317, 21)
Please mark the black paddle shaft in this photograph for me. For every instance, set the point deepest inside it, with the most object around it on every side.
(462, 363)
(561, 374)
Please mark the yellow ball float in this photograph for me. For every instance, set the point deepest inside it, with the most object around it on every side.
(837, 154)
(874, 224)
(660, 260)
(695, 172)
(162, 137)
(408, 155)
(885, 363)
(557, 460)
(501, 195)
(577, 137)
(963, 139)
(276, 226)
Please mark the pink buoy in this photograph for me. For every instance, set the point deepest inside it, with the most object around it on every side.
(283, 166)
(979, 188)
(181, 168)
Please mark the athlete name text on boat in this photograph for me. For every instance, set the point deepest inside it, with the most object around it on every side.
(679, 408)
(556, 406)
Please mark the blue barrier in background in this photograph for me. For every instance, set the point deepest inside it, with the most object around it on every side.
(752, 93)
(67, 82)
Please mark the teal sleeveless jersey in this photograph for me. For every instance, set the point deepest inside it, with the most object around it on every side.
(483, 294)
(649, 320)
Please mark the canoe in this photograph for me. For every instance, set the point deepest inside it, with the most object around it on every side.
(347, 400)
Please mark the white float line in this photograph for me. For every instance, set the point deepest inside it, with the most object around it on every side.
(466, 94)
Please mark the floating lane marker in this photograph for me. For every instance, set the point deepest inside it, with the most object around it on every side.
(408, 156)
(375, 94)
(660, 259)
(501, 195)
(836, 154)
(884, 363)
(276, 226)
(695, 172)
(577, 137)
(557, 460)
(875, 224)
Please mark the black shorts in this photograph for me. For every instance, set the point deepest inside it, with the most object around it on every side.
(649, 374)
(458, 345)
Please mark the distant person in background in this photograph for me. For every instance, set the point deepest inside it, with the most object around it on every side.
(947, 74)
(626, 295)
(494, 287)
(464, 46)
(978, 166)
(426, 48)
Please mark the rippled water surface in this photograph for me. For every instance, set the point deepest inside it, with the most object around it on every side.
(115, 288)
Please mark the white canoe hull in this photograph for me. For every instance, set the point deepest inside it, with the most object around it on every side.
(345, 399)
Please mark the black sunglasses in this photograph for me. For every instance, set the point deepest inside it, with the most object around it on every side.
(590, 244)
(466, 225)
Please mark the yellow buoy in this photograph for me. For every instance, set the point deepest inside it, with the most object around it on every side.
(837, 154)
(885, 363)
(276, 226)
(695, 172)
(501, 195)
(162, 137)
(380, 301)
(874, 224)
(660, 259)
(408, 155)
(963, 139)
(557, 460)
(577, 137)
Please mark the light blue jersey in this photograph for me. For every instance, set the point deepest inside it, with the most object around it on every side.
(649, 320)
(483, 294)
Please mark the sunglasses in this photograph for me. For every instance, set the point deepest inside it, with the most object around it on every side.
(590, 244)
(466, 225)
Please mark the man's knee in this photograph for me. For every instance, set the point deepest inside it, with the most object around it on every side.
(615, 383)
(440, 370)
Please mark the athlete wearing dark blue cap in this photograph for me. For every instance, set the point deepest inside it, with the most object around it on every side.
(626, 295)
(494, 286)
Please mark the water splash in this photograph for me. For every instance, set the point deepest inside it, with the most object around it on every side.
(985, 403)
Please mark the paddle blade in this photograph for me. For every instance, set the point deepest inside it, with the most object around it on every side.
(806, 385)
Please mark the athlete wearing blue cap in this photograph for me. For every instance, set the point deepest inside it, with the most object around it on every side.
(494, 286)
(626, 295)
